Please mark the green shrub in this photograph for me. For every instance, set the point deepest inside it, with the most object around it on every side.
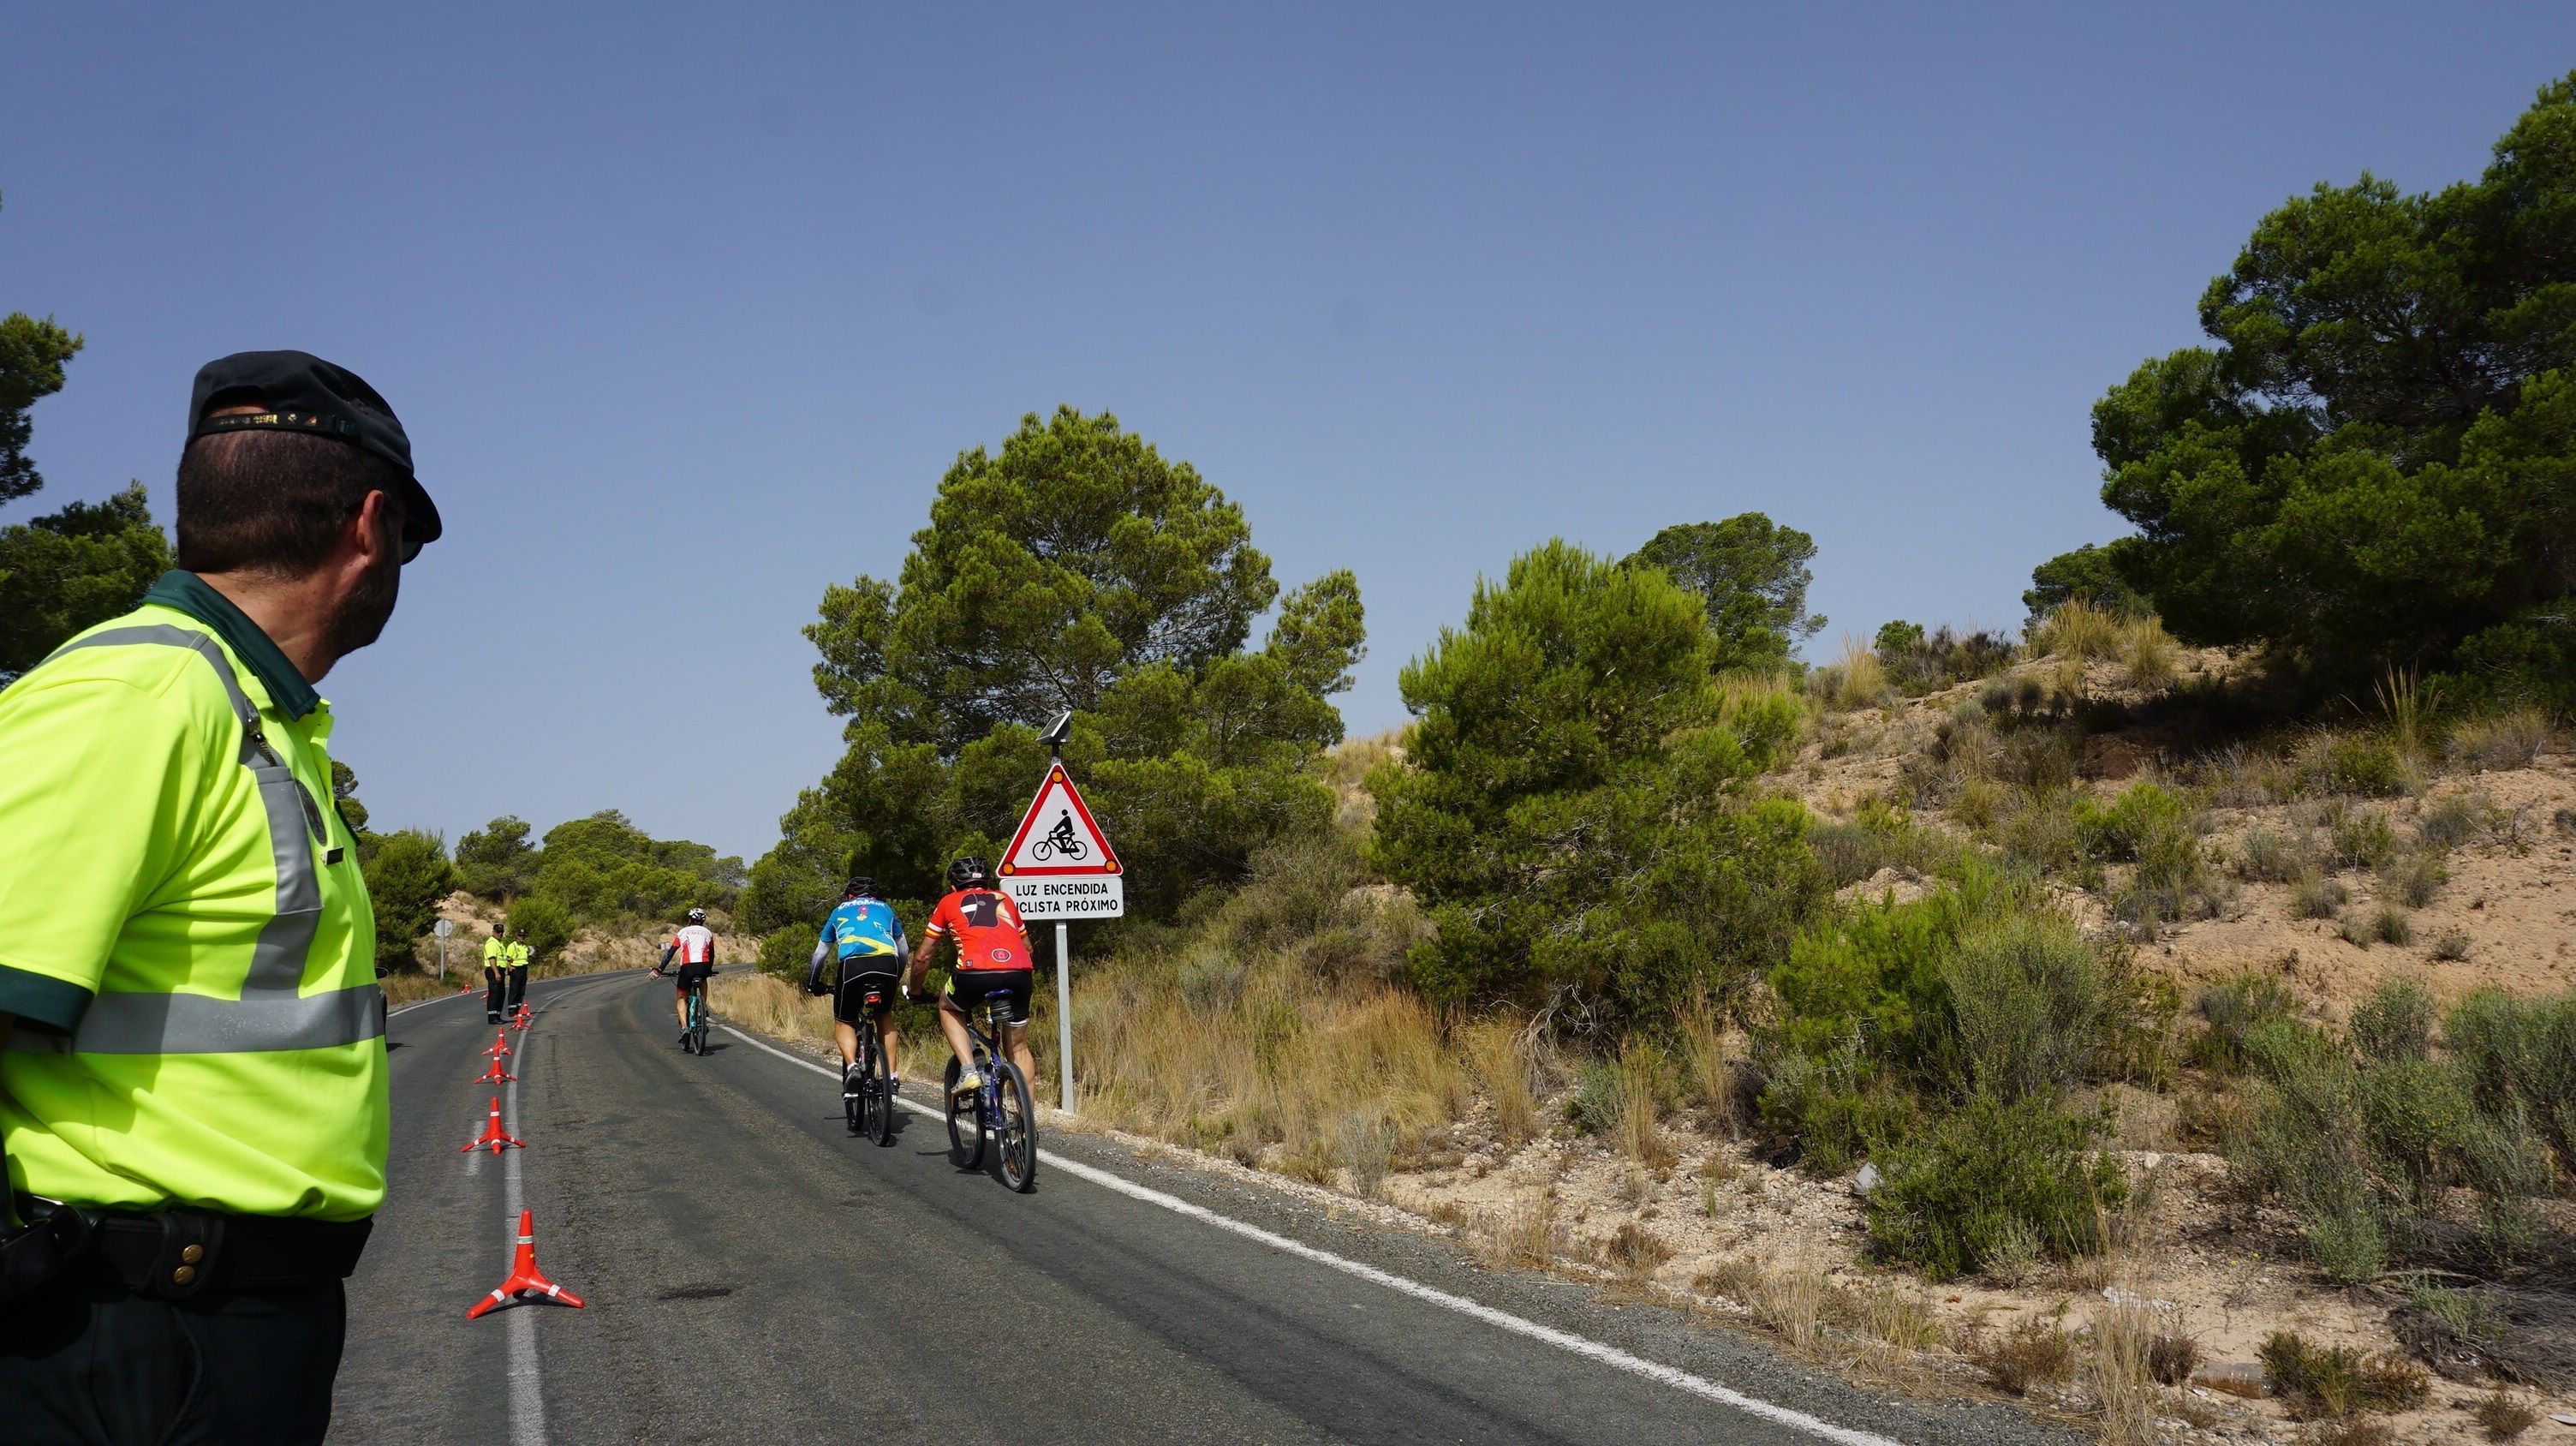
(2453, 819)
(2028, 1002)
(2521, 1055)
(2232, 1012)
(2395, 1022)
(2393, 926)
(543, 924)
(2039, 759)
(407, 874)
(2172, 883)
(2317, 897)
(2353, 763)
(1959, 1188)
(2413, 879)
(2322, 1382)
(2039, 831)
(786, 951)
(2362, 839)
(2265, 856)
(2122, 830)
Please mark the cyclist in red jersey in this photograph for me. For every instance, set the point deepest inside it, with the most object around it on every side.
(992, 953)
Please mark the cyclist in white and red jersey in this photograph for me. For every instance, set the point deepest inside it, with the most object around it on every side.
(992, 954)
(695, 944)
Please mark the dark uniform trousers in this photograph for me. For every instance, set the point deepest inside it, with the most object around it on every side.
(496, 984)
(98, 1364)
(518, 986)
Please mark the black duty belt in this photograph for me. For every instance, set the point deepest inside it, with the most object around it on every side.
(174, 1254)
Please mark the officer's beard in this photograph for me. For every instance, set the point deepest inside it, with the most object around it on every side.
(363, 613)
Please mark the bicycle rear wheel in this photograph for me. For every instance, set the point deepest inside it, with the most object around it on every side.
(965, 1124)
(854, 1105)
(1017, 1135)
(698, 1020)
(877, 1094)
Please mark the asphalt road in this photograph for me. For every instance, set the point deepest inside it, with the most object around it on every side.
(754, 1274)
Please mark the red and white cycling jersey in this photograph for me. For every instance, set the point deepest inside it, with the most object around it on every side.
(695, 943)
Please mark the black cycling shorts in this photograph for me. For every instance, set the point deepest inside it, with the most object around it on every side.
(694, 974)
(850, 1001)
(967, 988)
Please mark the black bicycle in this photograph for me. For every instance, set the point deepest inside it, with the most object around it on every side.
(867, 1092)
(999, 1110)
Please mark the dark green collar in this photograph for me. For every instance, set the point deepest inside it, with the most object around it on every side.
(190, 594)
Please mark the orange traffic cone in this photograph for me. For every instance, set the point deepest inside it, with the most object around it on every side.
(500, 1044)
(496, 1075)
(524, 1275)
(522, 1021)
(493, 1134)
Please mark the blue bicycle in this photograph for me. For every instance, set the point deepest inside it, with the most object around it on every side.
(999, 1110)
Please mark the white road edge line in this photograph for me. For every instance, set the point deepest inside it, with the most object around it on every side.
(1583, 1346)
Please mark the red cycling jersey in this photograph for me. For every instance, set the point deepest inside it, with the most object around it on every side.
(987, 928)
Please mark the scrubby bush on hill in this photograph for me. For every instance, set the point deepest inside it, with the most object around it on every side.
(2370, 1136)
(1940, 1037)
(1574, 810)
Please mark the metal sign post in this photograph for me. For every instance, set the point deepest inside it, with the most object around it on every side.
(442, 929)
(1063, 1018)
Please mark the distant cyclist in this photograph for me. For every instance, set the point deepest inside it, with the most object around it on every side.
(696, 946)
(863, 940)
(992, 953)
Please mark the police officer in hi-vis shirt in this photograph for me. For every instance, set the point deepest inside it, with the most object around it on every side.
(192, 1080)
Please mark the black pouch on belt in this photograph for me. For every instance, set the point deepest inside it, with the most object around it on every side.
(33, 1256)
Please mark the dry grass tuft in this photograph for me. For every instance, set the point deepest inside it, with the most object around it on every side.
(2121, 1373)
(1526, 1234)
(1211, 1053)
(2511, 739)
(2504, 1415)
(2035, 1352)
(1499, 1054)
(2076, 629)
(1792, 1304)
(765, 1004)
(1855, 679)
(2150, 654)
(2336, 1381)
(1636, 1251)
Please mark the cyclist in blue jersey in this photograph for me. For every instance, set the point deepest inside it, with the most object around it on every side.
(864, 941)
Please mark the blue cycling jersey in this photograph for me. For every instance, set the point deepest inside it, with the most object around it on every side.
(862, 927)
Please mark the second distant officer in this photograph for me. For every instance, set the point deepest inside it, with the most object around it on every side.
(518, 957)
(496, 975)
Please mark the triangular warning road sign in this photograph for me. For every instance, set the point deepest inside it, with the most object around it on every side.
(1057, 838)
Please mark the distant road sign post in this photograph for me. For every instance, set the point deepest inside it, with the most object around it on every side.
(1060, 866)
(442, 929)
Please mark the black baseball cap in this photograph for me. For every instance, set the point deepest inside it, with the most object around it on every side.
(304, 393)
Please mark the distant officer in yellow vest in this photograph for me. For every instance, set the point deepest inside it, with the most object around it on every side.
(192, 1054)
(517, 955)
(496, 965)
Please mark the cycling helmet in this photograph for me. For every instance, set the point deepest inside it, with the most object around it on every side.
(969, 871)
(697, 916)
(860, 886)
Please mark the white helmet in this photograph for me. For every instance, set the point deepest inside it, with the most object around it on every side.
(697, 916)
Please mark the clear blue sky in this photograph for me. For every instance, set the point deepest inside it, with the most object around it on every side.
(686, 310)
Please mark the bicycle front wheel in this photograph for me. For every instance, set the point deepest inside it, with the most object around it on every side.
(877, 1094)
(1016, 1135)
(965, 1127)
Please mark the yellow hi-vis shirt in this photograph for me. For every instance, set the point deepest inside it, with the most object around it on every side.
(185, 936)
(518, 955)
(496, 955)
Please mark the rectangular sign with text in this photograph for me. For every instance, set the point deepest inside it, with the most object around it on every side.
(1100, 896)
